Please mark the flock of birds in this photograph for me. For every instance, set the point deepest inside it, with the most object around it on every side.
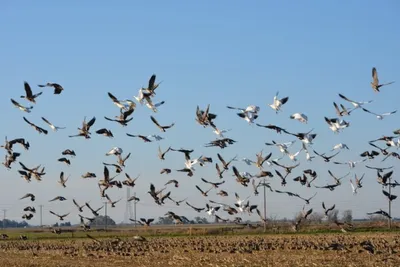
(207, 119)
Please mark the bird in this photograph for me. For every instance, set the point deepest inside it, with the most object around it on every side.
(379, 116)
(380, 212)
(144, 138)
(326, 211)
(29, 95)
(340, 146)
(84, 131)
(80, 208)
(105, 132)
(204, 193)
(34, 126)
(61, 217)
(375, 81)
(65, 160)
(356, 104)
(19, 106)
(60, 198)
(300, 117)
(54, 128)
(57, 88)
(117, 102)
(63, 180)
(122, 119)
(278, 103)
(161, 155)
(29, 195)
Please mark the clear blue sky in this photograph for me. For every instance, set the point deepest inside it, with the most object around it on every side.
(205, 52)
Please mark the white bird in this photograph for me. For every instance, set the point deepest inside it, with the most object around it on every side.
(292, 157)
(19, 106)
(219, 132)
(212, 210)
(269, 162)
(140, 96)
(308, 156)
(250, 117)
(248, 161)
(351, 164)
(355, 103)
(246, 175)
(152, 106)
(380, 116)
(278, 103)
(300, 117)
(282, 146)
(115, 151)
(54, 128)
(240, 201)
(354, 188)
(340, 146)
(249, 109)
(336, 125)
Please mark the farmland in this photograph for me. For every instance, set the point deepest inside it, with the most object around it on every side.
(203, 246)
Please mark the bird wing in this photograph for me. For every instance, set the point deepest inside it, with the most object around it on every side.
(28, 89)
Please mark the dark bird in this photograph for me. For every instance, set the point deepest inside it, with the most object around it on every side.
(28, 94)
(105, 132)
(144, 138)
(68, 152)
(65, 160)
(375, 81)
(196, 209)
(389, 196)
(370, 155)
(37, 128)
(57, 88)
(59, 216)
(380, 212)
(84, 131)
(273, 127)
(162, 128)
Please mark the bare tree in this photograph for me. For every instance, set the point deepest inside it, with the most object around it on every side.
(347, 216)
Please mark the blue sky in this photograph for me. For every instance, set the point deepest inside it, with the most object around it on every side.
(205, 52)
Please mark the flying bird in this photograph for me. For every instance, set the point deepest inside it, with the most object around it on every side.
(57, 88)
(375, 81)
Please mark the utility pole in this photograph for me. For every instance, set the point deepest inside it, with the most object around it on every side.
(41, 215)
(105, 214)
(265, 207)
(390, 202)
(4, 218)
(134, 208)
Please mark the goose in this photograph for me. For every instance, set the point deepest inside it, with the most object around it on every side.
(57, 88)
(219, 172)
(30, 195)
(288, 169)
(89, 175)
(65, 160)
(344, 110)
(380, 212)
(370, 155)
(196, 209)
(293, 157)
(239, 178)
(140, 96)
(278, 103)
(331, 187)
(379, 116)
(306, 213)
(358, 180)
(10, 158)
(129, 181)
(326, 211)
(215, 185)
(63, 180)
(186, 152)
(336, 125)
(240, 201)
(122, 119)
(260, 159)
(144, 138)
(306, 138)
(248, 161)
(204, 193)
(375, 81)
(105, 132)
(37, 128)
(112, 202)
(282, 146)
(211, 211)
(175, 182)
(155, 194)
(133, 198)
(84, 131)
(146, 222)
(326, 158)
(379, 169)
(54, 128)
(337, 179)
(27, 216)
(249, 117)
(151, 105)
(156, 137)
(30, 209)
(19, 106)
(225, 164)
(384, 152)
(59, 216)
(95, 212)
(300, 117)
(165, 170)
(251, 109)
(221, 143)
(115, 151)
(60, 198)
(161, 155)
(283, 179)
(117, 102)
(152, 86)
(80, 208)
(178, 203)
(204, 117)
(389, 196)
(278, 129)
(353, 188)
(68, 152)
(355, 103)
(308, 156)
(29, 95)
(121, 161)
(223, 193)
(383, 179)
(261, 174)
(351, 164)
(307, 200)
(219, 132)
(340, 146)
